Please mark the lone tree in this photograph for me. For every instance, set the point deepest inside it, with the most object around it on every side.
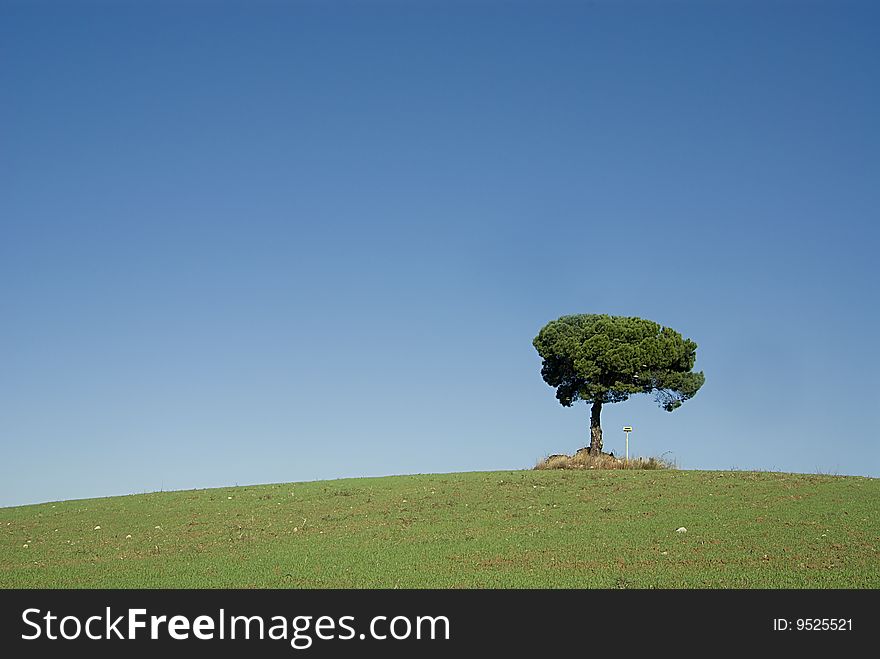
(605, 359)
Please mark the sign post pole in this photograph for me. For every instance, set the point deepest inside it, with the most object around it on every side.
(627, 430)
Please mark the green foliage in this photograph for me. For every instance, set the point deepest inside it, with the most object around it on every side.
(600, 358)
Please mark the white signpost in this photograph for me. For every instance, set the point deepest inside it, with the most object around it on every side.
(627, 430)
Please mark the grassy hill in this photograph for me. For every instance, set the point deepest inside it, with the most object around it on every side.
(579, 529)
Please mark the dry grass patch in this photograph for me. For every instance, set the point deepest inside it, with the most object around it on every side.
(584, 460)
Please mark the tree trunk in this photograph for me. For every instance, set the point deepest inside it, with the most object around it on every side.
(595, 429)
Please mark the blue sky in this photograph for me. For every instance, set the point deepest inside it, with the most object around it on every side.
(261, 242)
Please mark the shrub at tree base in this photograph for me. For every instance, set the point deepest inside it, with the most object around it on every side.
(583, 460)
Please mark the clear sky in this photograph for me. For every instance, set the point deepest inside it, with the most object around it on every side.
(260, 242)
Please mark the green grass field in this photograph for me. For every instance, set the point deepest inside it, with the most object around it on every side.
(581, 529)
